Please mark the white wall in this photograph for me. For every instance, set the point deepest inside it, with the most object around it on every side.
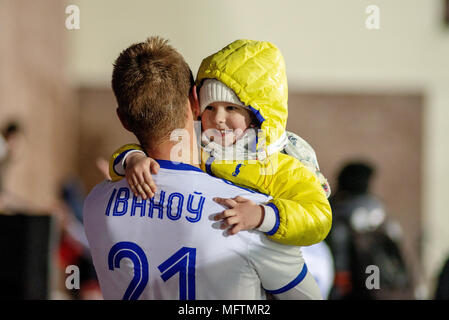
(326, 47)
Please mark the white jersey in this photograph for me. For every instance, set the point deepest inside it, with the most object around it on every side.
(321, 265)
(169, 247)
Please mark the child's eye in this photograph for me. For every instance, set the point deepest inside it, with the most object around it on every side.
(231, 108)
(209, 108)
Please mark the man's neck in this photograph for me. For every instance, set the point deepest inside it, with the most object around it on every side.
(184, 151)
(181, 145)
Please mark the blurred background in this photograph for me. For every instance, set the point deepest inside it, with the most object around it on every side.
(356, 94)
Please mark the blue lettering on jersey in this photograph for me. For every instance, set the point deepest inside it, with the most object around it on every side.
(108, 208)
(196, 211)
(159, 207)
(121, 200)
(174, 205)
(138, 204)
(178, 208)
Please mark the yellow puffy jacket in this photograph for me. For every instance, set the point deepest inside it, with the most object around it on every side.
(255, 70)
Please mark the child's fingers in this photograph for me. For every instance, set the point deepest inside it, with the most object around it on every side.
(239, 199)
(228, 222)
(225, 214)
(141, 181)
(154, 166)
(235, 229)
(147, 190)
(138, 188)
(134, 181)
(140, 178)
(131, 185)
(149, 181)
(133, 189)
(230, 203)
(232, 220)
(141, 192)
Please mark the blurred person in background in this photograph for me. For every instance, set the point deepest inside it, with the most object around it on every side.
(103, 166)
(10, 142)
(8, 139)
(362, 236)
(73, 248)
(442, 290)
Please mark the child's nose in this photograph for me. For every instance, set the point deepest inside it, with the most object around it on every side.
(220, 116)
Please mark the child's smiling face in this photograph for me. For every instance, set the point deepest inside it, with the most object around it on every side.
(225, 122)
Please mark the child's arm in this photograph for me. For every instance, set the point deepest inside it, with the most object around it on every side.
(117, 160)
(130, 161)
(305, 215)
(302, 212)
(138, 172)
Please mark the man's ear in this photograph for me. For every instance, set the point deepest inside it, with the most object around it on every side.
(194, 103)
(122, 119)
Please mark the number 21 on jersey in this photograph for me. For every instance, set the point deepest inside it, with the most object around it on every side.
(182, 262)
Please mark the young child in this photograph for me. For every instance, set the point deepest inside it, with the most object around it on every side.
(243, 99)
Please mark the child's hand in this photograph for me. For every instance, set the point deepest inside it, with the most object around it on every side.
(243, 214)
(138, 174)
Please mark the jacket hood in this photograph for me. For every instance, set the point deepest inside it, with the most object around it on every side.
(255, 70)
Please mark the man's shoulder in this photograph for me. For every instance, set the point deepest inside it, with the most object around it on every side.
(102, 185)
(98, 198)
(101, 190)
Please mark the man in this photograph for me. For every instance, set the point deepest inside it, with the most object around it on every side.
(363, 235)
(167, 247)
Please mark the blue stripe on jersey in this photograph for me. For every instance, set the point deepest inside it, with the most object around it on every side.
(292, 284)
(276, 225)
(173, 165)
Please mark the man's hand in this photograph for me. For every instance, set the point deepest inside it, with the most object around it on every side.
(243, 214)
(138, 174)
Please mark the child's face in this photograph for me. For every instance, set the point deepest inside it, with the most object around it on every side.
(225, 122)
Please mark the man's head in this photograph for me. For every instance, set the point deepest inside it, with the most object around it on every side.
(152, 82)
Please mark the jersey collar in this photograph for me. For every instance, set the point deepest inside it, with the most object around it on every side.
(173, 165)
